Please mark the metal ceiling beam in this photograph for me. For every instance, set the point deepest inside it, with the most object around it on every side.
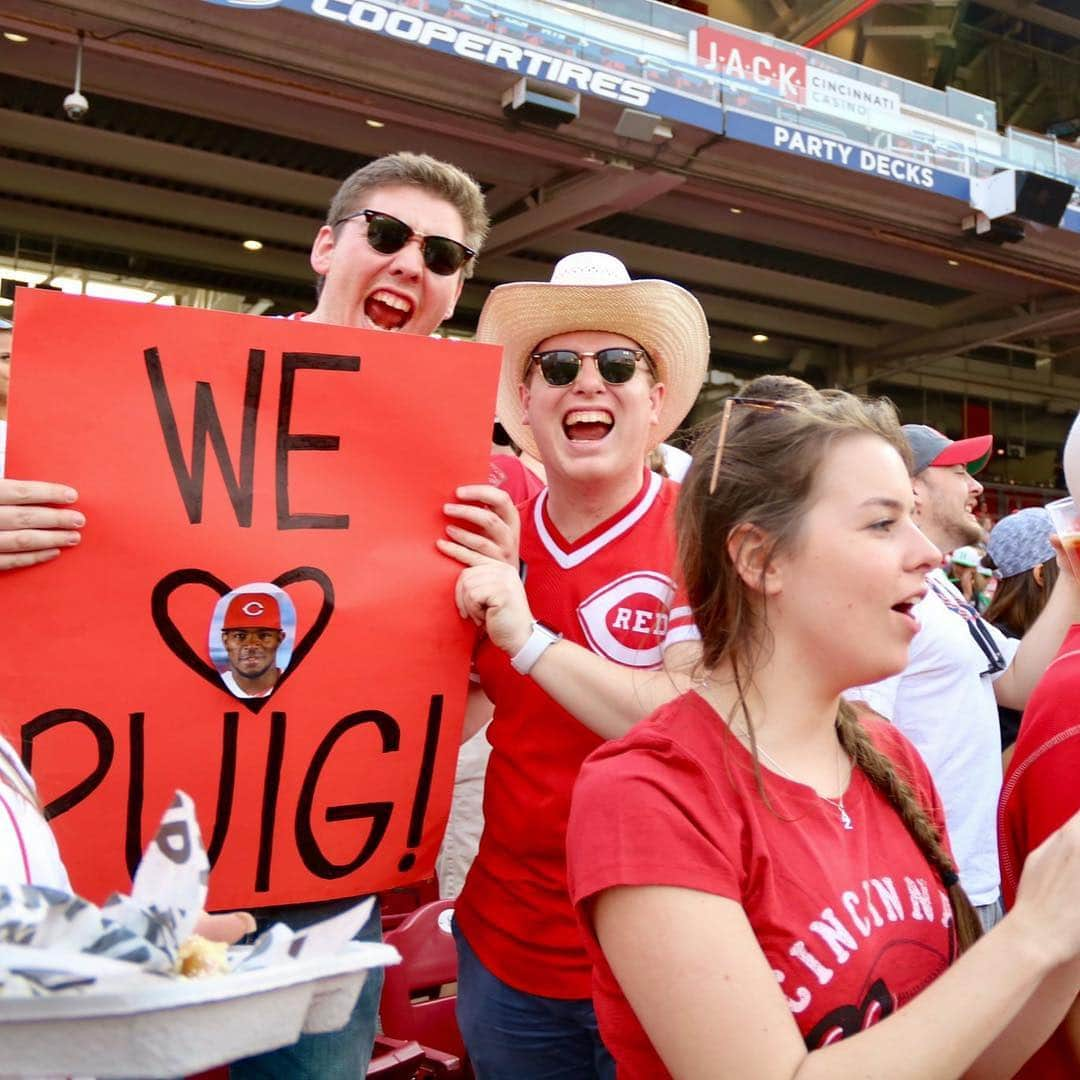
(941, 35)
(959, 313)
(177, 164)
(994, 381)
(720, 275)
(1036, 89)
(179, 245)
(815, 239)
(921, 351)
(775, 319)
(822, 19)
(126, 199)
(1037, 14)
(782, 322)
(953, 338)
(612, 190)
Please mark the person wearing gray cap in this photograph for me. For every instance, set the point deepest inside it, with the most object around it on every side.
(961, 667)
(1020, 550)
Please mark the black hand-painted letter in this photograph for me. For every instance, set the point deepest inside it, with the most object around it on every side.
(288, 442)
(206, 425)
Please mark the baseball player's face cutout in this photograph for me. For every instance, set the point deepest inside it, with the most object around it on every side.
(252, 651)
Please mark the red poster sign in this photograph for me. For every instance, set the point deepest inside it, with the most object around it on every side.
(741, 59)
(257, 613)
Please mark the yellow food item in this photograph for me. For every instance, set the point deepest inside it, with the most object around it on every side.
(200, 957)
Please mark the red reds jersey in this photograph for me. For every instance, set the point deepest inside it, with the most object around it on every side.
(612, 591)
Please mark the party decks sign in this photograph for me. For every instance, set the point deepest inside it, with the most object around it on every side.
(257, 613)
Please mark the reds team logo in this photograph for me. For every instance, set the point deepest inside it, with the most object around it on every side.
(627, 619)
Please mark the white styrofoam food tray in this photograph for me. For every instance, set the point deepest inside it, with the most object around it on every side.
(135, 1025)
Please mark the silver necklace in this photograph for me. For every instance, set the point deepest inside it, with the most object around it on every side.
(845, 817)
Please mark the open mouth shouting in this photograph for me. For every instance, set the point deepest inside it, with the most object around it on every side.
(906, 609)
(388, 310)
(587, 425)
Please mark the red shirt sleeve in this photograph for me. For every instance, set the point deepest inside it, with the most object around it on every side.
(638, 818)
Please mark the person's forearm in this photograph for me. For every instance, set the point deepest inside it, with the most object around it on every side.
(606, 697)
(1040, 644)
(988, 987)
(1032, 1026)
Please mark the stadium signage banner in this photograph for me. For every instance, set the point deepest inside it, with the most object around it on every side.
(790, 76)
(683, 100)
(468, 43)
(832, 151)
(744, 60)
(680, 94)
(1071, 220)
(849, 98)
(257, 614)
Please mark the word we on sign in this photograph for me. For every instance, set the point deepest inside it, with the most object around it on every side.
(257, 613)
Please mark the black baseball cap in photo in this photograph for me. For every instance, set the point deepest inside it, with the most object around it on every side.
(930, 447)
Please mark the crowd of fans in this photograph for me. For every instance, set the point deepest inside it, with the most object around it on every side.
(744, 801)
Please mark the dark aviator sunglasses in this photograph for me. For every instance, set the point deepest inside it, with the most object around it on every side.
(387, 235)
(560, 367)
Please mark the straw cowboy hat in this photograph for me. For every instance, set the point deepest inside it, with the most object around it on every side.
(593, 291)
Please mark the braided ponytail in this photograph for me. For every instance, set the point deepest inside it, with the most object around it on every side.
(881, 773)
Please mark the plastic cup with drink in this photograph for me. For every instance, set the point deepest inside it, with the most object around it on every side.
(1065, 516)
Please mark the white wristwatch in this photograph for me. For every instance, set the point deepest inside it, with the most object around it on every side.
(540, 640)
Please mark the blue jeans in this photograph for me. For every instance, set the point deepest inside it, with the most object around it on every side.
(336, 1055)
(512, 1035)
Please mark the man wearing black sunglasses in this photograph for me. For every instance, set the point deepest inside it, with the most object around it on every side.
(597, 370)
(960, 667)
(401, 236)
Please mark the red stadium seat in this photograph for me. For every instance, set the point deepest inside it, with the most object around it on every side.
(417, 1002)
(397, 904)
(395, 1059)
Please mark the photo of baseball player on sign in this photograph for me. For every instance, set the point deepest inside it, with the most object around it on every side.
(252, 633)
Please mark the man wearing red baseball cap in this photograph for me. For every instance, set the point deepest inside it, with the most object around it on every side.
(251, 633)
(960, 668)
(946, 491)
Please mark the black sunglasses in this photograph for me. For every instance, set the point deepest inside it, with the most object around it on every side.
(762, 404)
(386, 234)
(616, 365)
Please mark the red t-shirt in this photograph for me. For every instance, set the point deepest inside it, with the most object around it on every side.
(1041, 792)
(611, 591)
(854, 923)
(519, 481)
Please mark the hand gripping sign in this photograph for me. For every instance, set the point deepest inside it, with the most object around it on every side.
(257, 613)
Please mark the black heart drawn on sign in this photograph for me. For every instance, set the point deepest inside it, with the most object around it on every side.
(178, 644)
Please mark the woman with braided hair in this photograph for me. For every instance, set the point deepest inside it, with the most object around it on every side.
(763, 876)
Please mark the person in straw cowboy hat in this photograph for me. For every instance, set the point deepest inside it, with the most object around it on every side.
(597, 370)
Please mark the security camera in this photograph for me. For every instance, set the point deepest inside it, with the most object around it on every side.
(76, 106)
